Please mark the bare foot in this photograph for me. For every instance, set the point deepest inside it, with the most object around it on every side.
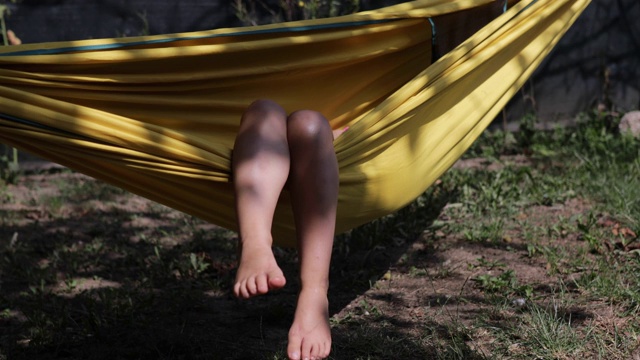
(258, 272)
(310, 334)
(13, 39)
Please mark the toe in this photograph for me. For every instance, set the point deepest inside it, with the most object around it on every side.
(313, 352)
(251, 286)
(244, 292)
(295, 355)
(326, 350)
(262, 285)
(293, 349)
(306, 350)
(276, 281)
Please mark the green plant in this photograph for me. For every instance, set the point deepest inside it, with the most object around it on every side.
(586, 228)
(490, 265)
(192, 266)
(314, 9)
(249, 11)
(493, 144)
(9, 168)
(549, 334)
(526, 131)
(505, 284)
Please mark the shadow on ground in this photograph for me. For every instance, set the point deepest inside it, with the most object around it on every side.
(121, 278)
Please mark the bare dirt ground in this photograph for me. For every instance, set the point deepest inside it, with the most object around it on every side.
(396, 297)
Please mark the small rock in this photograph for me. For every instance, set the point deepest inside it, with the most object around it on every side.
(519, 302)
(630, 123)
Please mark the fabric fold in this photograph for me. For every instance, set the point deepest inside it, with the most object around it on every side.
(158, 115)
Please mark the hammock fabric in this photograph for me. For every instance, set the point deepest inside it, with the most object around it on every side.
(157, 115)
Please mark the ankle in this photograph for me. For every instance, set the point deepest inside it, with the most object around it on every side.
(255, 243)
(317, 289)
(312, 303)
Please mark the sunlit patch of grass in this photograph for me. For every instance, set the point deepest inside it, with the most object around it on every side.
(590, 163)
(614, 280)
(549, 334)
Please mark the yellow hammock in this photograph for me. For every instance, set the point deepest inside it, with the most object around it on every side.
(157, 115)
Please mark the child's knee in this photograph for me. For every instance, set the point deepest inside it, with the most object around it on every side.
(309, 125)
(263, 104)
(263, 108)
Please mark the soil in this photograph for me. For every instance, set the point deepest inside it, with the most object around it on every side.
(379, 296)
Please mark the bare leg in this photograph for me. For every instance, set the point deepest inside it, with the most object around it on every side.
(314, 193)
(269, 148)
(260, 170)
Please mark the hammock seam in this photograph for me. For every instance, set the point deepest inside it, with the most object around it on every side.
(113, 46)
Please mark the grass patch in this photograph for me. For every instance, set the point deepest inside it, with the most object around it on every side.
(527, 248)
